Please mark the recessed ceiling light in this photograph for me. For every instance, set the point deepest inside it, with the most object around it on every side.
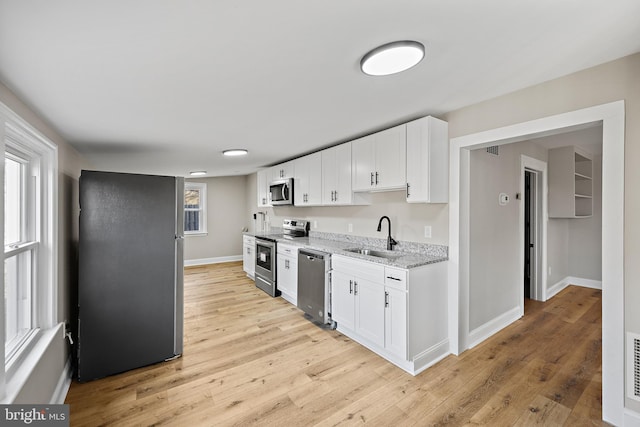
(392, 58)
(235, 152)
(198, 173)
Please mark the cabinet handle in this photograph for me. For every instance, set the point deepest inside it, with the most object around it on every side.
(376, 178)
(286, 264)
(350, 286)
(336, 196)
(408, 194)
(386, 299)
(394, 278)
(355, 287)
(372, 179)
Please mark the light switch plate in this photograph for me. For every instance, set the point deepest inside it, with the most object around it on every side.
(427, 231)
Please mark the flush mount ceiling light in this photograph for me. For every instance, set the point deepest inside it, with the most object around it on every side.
(198, 173)
(392, 58)
(235, 152)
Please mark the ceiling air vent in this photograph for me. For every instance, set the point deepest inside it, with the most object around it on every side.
(493, 150)
(633, 366)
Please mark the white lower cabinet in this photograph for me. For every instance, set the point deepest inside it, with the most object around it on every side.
(249, 255)
(343, 306)
(355, 305)
(287, 272)
(399, 314)
(395, 322)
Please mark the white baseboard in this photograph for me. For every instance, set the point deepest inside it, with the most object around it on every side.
(571, 280)
(60, 393)
(431, 356)
(217, 260)
(631, 418)
(494, 325)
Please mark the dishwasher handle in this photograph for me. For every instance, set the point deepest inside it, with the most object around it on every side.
(313, 255)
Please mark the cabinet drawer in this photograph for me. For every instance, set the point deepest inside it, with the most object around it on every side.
(248, 240)
(287, 250)
(395, 278)
(362, 269)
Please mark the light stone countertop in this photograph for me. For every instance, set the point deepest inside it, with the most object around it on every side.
(412, 254)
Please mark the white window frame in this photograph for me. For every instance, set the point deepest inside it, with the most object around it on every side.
(202, 188)
(19, 138)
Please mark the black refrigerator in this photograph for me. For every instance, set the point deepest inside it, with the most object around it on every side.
(130, 279)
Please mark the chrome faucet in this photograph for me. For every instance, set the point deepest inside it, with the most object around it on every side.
(390, 241)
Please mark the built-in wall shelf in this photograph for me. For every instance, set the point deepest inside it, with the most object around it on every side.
(570, 183)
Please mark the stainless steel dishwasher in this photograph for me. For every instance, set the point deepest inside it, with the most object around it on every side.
(314, 297)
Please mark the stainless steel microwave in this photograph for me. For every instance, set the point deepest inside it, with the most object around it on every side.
(281, 192)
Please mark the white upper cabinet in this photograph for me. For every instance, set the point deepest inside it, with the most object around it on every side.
(282, 171)
(427, 161)
(379, 160)
(307, 186)
(264, 178)
(570, 183)
(336, 175)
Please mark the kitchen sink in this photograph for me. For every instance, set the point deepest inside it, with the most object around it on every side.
(376, 253)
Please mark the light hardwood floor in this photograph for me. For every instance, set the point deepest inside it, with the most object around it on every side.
(254, 360)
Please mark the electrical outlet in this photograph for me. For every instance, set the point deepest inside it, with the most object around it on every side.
(427, 231)
(350, 228)
(315, 224)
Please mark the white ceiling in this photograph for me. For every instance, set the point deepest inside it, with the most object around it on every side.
(163, 86)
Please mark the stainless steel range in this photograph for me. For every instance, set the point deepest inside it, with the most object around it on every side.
(266, 250)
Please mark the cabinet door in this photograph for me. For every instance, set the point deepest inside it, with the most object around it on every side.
(363, 163)
(283, 170)
(390, 158)
(308, 184)
(395, 322)
(284, 271)
(248, 261)
(342, 300)
(330, 175)
(343, 194)
(262, 187)
(427, 161)
(336, 175)
(369, 310)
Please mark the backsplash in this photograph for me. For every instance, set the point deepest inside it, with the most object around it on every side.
(373, 242)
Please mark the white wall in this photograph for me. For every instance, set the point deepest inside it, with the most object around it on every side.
(585, 234)
(574, 245)
(616, 80)
(226, 217)
(70, 163)
(495, 251)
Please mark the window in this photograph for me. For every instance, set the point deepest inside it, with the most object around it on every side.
(20, 250)
(29, 214)
(195, 208)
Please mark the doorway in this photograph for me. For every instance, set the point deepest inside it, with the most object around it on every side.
(530, 244)
(612, 117)
(533, 228)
